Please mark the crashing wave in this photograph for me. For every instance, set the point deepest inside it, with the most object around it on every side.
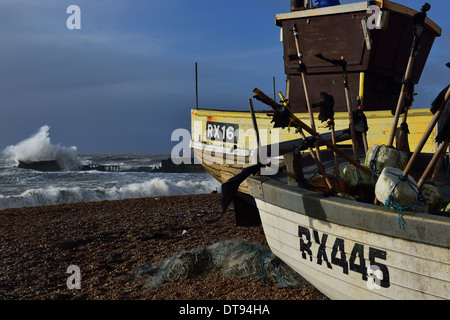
(53, 195)
(37, 152)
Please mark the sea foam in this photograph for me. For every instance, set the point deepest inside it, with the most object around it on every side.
(29, 188)
(38, 147)
(152, 188)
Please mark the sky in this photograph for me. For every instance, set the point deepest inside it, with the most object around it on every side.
(126, 80)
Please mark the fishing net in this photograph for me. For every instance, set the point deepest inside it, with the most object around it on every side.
(235, 258)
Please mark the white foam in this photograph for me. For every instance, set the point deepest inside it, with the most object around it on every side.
(38, 147)
(155, 187)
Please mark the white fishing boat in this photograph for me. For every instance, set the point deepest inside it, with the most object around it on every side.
(362, 249)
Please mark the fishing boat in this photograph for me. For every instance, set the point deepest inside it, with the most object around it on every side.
(347, 246)
(354, 250)
(375, 63)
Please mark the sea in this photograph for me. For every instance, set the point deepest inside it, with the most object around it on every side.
(133, 177)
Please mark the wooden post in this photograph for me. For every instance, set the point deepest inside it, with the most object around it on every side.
(350, 110)
(361, 99)
(318, 163)
(442, 146)
(419, 20)
(403, 141)
(437, 168)
(399, 102)
(333, 140)
(255, 124)
(427, 133)
(308, 104)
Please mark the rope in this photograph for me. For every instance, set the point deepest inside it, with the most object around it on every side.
(390, 202)
(360, 180)
(283, 282)
(373, 165)
(276, 267)
(261, 264)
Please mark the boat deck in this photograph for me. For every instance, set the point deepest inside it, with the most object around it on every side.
(281, 191)
(336, 243)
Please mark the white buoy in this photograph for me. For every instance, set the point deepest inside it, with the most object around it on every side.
(391, 191)
(378, 157)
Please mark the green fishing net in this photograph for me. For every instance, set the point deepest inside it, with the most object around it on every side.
(234, 258)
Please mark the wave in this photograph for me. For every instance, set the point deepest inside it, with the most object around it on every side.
(38, 147)
(153, 188)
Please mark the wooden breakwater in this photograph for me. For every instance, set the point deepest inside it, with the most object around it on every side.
(169, 166)
(100, 167)
(45, 165)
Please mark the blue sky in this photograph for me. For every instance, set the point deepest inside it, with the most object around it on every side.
(125, 81)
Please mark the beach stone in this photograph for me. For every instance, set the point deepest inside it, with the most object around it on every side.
(385, 156)
(432, 196)
(403, 192)
(353, 177)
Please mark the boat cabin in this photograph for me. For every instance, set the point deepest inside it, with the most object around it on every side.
(376, 54)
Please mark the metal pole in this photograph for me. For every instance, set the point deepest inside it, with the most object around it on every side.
(274, 91)
(196, 87)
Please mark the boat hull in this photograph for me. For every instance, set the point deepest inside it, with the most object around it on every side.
(350, 250)
(215, 164)
(224, 159)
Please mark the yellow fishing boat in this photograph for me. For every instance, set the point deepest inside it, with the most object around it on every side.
(374, 70)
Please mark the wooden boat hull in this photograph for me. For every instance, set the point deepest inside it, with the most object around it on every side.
(224, 159)
(351, 250)
(221, 171)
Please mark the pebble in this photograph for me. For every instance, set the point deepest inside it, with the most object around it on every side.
(38, 272)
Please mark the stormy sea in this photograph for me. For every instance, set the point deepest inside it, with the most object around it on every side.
(69, 177)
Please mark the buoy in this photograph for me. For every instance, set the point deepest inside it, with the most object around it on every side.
(393, 190)
(354, 178)
(379, 157)
(432, 197)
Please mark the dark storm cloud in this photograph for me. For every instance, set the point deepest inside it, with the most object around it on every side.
(125, 81)
(107, 85)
